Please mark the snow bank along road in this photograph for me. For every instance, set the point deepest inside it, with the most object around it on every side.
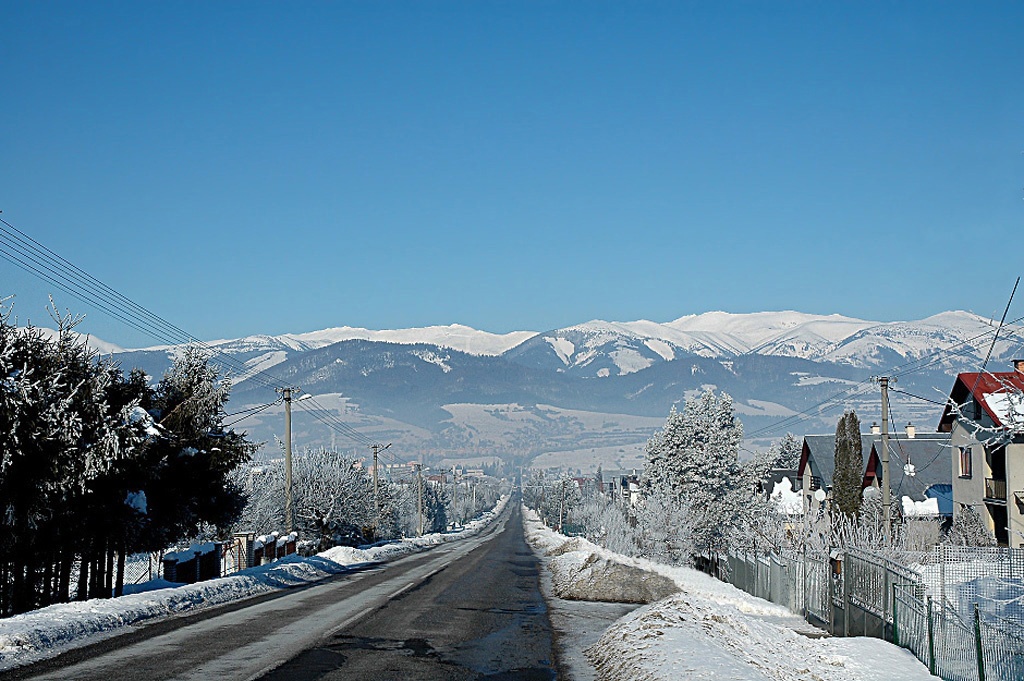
(462, 610)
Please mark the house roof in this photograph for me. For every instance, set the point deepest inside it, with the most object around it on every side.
(981, 387)
(819, 452)
(928, 452)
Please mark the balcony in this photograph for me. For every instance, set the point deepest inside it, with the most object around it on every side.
(995, 489)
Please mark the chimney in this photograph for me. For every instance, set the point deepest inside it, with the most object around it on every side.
(911, 431)
(1018, 365)
(875, 429)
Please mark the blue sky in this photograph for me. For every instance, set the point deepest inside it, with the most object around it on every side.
(271, 167)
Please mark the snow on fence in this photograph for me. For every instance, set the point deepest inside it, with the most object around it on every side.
(858, 592)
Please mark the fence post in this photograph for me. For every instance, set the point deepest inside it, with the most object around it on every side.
(977, 643)
(931, 640)
(830, 583)
(941, 548)
(846, 593)
(895, 629)
(887, 606)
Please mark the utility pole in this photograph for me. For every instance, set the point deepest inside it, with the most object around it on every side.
(561, 506)
(419, 497)
(455, 497)
(286, 394)
(886, 492)
(377, 449)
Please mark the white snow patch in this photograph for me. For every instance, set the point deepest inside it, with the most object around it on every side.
(928, 507)
(629, 361)
(434, 358)
(455, 336)
(1008, 408)
(662, 348)
(562, 347)
(786, 499)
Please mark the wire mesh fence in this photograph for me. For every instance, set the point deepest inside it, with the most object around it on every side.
(862, 593)
(962, 576)
(955, 648)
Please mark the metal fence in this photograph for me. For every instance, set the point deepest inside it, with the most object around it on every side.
(954, 648)
(862, 593)
(962, 576)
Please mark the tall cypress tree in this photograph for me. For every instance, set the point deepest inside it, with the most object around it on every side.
(849, 460)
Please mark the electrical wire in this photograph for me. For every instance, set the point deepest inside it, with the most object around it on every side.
(907, 368)
(918, 397)
(251, 412)
(27, 253)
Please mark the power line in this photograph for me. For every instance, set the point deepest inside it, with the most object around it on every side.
(25, 252)
(917, 397)
(249, 412)
(900, 370)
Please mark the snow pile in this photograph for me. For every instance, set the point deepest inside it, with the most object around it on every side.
(913, 508)
(551, 543)
(385, 551)
(585, 576)
(32, 636)
(713, 630)
(786, 499)
(690, 636)
(46, 632)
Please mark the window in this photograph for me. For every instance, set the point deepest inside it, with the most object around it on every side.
(965, 462)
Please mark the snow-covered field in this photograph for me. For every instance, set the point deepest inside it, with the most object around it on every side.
(588, 458)
(712, 630)
(50, 631)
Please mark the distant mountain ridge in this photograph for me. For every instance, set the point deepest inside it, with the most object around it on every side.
(601, 349)
(453, 389)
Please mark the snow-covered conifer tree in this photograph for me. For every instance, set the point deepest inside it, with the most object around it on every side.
(847, 482)
(693, 459)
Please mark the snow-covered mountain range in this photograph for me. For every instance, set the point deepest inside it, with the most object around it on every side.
(598, 348)
(418, 386)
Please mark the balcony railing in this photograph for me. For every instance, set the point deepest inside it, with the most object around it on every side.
(995, 489)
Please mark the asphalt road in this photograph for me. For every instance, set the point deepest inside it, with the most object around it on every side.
(470, 609)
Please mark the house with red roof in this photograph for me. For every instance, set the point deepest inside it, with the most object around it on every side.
(984, 417)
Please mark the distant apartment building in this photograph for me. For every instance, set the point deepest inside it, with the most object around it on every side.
(984, 420)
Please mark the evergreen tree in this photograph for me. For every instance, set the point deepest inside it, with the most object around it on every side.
(693, 460)
(969, 529)
(192, 460)
(847, 481)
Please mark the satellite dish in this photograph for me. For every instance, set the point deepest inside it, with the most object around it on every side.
(819, 495)
(910, 470)
(871, 493)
